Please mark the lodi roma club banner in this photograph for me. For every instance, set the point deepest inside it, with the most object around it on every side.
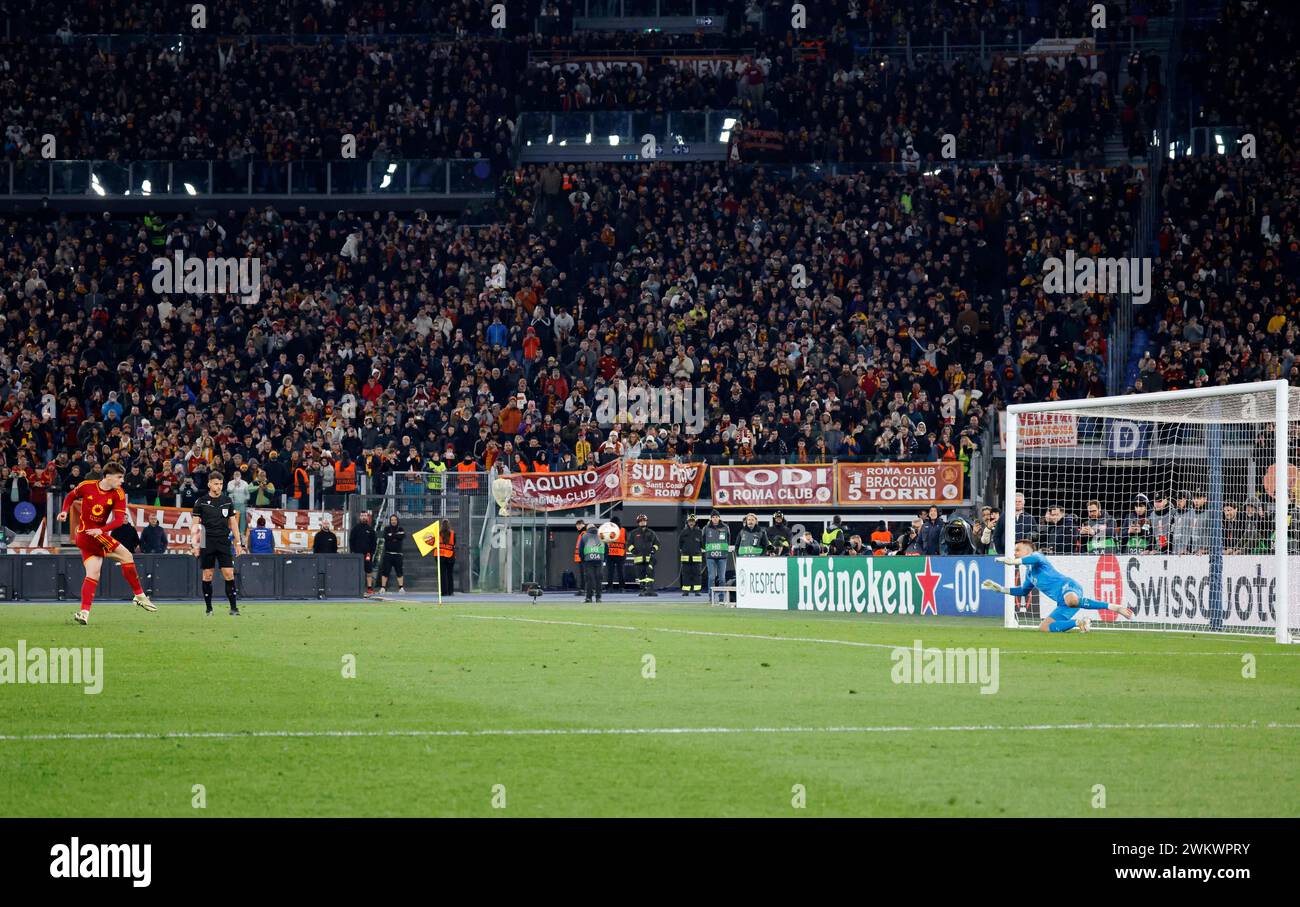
(812, 485)
(662, 481)
(890, 484)
(567, 490)
(294, 530)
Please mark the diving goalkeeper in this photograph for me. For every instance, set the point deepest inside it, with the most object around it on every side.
(1050, 582)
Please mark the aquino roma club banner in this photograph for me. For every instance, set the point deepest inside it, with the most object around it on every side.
(294, 530)
(811, 485)
(662, 481)
(567, 490)
(908, 584)
(890, 484)
(1176, 589)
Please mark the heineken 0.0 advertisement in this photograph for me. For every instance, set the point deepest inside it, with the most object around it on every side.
(870, 585)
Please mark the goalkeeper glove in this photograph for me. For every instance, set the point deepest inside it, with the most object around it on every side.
(1009, 561)
(993, 586)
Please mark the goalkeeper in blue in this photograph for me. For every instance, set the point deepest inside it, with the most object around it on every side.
(1052, 584)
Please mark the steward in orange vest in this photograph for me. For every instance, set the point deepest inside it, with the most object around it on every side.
(615, 556)
(345, 475)
(446, 556)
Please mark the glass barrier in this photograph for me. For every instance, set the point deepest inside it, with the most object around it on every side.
(129, 179)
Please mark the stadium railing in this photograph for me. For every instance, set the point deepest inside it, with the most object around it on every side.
(227, 180)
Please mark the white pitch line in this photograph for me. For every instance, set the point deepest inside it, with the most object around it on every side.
(813, 639)
(648, 731)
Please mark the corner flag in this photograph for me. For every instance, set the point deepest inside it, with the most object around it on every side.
(427, 539)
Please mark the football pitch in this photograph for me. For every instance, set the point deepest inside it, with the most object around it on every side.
(563, 709)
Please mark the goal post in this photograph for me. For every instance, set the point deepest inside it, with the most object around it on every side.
(1179, 505)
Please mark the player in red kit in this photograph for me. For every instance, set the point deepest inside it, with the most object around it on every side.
(102, 509)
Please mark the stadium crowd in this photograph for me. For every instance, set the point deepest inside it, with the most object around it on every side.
(400, 342)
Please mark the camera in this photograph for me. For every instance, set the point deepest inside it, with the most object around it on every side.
(957, 537)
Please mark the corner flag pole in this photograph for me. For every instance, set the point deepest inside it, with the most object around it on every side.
(437, 541)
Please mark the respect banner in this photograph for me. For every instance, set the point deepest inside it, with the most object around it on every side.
(294, 530)
(773, 486)
(567, 490)
(922, 484)
(662, 481)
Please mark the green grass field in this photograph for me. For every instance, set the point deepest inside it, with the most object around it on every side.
(743, 706)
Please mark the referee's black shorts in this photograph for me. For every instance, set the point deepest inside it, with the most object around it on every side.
(221, 556)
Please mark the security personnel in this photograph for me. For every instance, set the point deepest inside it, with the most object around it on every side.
(751, 541)
(301, 487)
(361, 540)
(881, 539)
(643, 545)
(581, 526)
(617, 555)
(717, 545)
(778, 536)
(592, 550)
(345, 479)
(834, 538)
(690, 548)
(394, 541)
(447, 557)
(434, 467)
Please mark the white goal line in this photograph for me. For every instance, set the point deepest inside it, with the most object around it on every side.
(829, 642)
(655, 731)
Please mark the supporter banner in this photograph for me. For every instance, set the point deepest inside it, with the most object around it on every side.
(595, 65)
(662, 481)
(773, 486)
(1175, 589)
(891, 484)
(294, 530)
(567, 490)
(710, 66)
(870, 585)
(1041, 430)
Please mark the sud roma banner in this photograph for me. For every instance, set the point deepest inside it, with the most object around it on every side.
(889, 484)
(294, 530)
(567, 490)
(773, 486)
(662, 481)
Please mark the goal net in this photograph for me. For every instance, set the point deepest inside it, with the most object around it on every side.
(1177, 505)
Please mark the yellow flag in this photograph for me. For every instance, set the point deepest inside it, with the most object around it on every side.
(427, 538)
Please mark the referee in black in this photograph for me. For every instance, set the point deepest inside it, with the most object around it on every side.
(216, 516)
(394, 539)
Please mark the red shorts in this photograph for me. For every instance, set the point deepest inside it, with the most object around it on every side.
(96, 545)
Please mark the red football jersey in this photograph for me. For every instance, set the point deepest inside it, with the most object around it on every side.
(99, 509)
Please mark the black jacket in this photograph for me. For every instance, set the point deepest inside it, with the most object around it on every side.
(153, 540)
(361, 540)
(326, 542)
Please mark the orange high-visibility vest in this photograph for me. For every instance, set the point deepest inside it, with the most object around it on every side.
(577, 549)
(467, 482)
(618, 547)
(345, 479)
(447, 544)
(541, 466)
